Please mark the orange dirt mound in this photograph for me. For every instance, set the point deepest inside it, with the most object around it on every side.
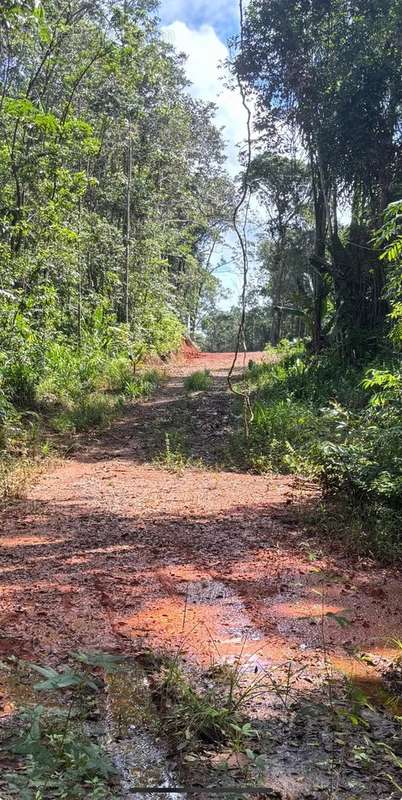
(188, 350)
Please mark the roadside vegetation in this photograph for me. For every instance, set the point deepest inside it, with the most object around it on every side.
(339, 420)
(342, 426)
(198, 381)
(53, 394)
(52, 740)
(103, 243)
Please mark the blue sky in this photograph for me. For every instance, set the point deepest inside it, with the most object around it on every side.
(200, 29)
(222, 15)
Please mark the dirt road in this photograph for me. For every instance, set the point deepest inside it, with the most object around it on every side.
(142, 537)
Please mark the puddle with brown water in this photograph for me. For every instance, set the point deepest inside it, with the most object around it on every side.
(132, 738)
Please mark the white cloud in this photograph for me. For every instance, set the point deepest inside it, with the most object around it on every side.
(205, 54)
(221, 14)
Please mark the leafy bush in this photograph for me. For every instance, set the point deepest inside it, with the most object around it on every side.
(60, 763)
(54, 752)
(93, 411)
(199, 381)
(341, 423)
(117, 373)
(367, 461)
(19, 379)
(142, 385)
(165, 334)
(285, 348)
(281, 435)
(69, 373)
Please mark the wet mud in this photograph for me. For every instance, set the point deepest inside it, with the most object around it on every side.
(113, 550)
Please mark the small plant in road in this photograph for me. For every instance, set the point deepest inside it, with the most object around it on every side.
(55, 755)
(199, 381)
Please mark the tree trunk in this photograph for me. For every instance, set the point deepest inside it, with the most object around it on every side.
(128, 231)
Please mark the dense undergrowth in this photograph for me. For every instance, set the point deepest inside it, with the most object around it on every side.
(341, 424)
(53, 388)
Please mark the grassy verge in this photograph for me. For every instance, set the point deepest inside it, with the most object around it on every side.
(74, 393)
(340, 425)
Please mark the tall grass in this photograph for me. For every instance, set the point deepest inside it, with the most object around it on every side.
(199, 381)
(318, 417)
(65, 391)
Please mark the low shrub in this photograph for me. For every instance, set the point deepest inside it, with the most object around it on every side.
(92, 411)
(285, 347)
(342, 424)
(142, 385)
(199, 381)
(281, 436)
(367, 461)
(117, 373)
(19, 380)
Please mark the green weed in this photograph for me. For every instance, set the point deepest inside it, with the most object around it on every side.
(281, 436)
(55, 755)
(201, 716)
(142, 385)
(199, 381)
(314, 416)
(173, 457)
(94, 411)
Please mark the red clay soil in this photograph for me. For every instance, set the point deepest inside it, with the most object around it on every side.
(109, 550)
(188, 350)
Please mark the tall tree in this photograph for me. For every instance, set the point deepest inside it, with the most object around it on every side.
(332, 71)
(112, 176)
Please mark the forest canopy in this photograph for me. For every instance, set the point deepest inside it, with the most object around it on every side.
(113, 188)
(327, 88)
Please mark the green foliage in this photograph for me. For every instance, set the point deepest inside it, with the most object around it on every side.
(199, 381)
(319, 380)
(201, 717)
(70, 389)
(59, 763)
(313, 416)
(174, 457)
(389, 240)
(57, 757)
(103, 240)
(281, 436)
(93, 411)
(142, 385)
(18, 380)
(284, 348)
(367, 458)
(220, 328)
(330, 74)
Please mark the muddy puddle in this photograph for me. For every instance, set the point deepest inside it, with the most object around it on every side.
(132, 737)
